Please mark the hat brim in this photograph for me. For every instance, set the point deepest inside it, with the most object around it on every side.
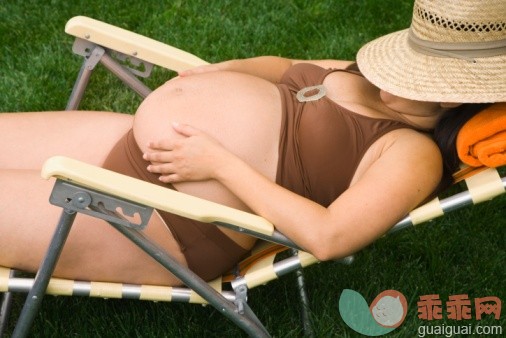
(390, 64)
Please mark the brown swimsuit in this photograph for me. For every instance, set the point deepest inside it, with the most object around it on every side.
(321, 145)
(208, 251)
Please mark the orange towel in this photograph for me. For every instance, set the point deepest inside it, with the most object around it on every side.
(482, 140)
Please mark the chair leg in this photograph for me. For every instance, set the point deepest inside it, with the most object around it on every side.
(95, 55)
(87, 201)
(304, 300)
(306, 315)
(246, 320)
(125, 76)
(83, 78)
(5, 308)
(34, 298)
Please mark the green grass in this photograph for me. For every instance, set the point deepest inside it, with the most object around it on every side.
(464, 253)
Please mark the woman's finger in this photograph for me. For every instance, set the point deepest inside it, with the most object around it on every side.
(162, 168)
(185, 129)
(172, 178)
(199, 70)
(162, 144)
(158, 156)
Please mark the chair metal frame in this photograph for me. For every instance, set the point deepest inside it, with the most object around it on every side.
(76, 195)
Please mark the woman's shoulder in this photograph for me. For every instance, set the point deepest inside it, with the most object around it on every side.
(414, 151)
(405, 152)
(413, 158)
(410, 149)
(412, 140)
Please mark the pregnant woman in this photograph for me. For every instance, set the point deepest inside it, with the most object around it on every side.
(332, 154)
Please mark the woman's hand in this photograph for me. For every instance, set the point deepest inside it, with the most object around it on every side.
(213, 67)
(270, 68)
(195, 157)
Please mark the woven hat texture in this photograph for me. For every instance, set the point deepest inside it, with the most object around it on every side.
(454, 51)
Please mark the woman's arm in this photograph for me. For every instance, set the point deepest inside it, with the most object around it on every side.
(396, 183)
(270, 68)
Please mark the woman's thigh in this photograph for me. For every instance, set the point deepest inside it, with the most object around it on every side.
(93, 251)
(28, 139)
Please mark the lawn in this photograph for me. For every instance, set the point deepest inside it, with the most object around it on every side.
(463, 253)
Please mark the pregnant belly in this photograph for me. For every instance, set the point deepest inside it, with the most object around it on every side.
(241, 111)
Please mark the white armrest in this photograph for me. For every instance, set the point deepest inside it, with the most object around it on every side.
(130, 43)
(151, 195)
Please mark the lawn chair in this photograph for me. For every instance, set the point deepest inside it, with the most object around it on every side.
(80, 187)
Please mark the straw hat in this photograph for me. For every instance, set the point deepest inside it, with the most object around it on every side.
(454, 51)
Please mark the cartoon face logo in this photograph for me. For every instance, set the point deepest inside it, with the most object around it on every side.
(386, 312)
(389, 308)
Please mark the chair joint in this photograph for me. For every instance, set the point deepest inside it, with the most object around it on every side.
(90, 51)
(93, 54)
(241, 295)
(96, 204)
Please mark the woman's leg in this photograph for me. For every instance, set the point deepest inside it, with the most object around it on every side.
(94, 250)
(28, 139)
